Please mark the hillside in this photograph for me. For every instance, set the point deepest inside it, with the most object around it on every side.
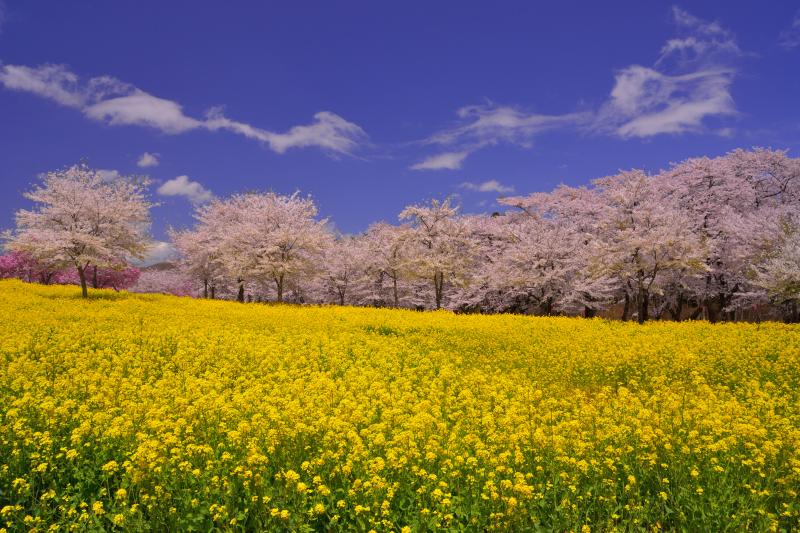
(145, 411)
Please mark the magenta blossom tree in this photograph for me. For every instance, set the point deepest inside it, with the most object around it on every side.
(120, 278)
(23, 266)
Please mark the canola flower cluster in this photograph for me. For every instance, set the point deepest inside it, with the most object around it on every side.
(146, 412)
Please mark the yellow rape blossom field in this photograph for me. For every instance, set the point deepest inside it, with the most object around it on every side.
(144, 412)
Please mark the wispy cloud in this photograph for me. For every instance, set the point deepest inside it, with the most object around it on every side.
(490, 124)
(114, 102)
(698, 42)
(183, 186)
(147, 160)
(328, 131)
(487, 186)
(689, 82)
(446, 160)
(790, 38)
(645, 102)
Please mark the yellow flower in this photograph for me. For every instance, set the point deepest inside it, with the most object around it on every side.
(382, 410)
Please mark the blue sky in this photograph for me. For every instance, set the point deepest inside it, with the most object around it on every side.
(370, 106)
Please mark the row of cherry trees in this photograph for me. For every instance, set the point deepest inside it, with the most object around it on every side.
(715, 238)
(712, 238)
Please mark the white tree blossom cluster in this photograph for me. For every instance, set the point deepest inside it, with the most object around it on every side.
(714, 238)
(708, 238)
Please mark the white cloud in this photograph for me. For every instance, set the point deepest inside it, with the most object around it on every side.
(183, 186)
(108, 174)
(159, 252)
(489, 124)
(487, 186)
(109, 100)
(147, 160)
(142, 109)
(49, 81)
(329, 131)
(699, 42)
(689, 83)
(726, 132)
(791, 38)
(447, 160)
(645, 102)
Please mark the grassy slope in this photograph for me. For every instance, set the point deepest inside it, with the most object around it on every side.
(204, 413)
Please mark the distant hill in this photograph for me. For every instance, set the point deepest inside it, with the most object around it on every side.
(164, 265)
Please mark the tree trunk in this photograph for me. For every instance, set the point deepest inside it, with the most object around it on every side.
(712, 309)
(588, 312)
(213, 291)
(240, 295)
(94, 277)
(82, 277)
(626, 310)
(791, 315)
(644, 300)
(341, 297)
(279, 287)
(678, 311)
(205, 288)
(438, 281)
(394, 290)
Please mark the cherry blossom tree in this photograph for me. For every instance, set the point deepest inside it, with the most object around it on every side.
(538, 265)
(265, 238)
(387, 261)
(641, 237)
(732, 203)
(780, 275)
(81, 219)
(164, 281)
(200, 258)
(345, 262)
(439, 245)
